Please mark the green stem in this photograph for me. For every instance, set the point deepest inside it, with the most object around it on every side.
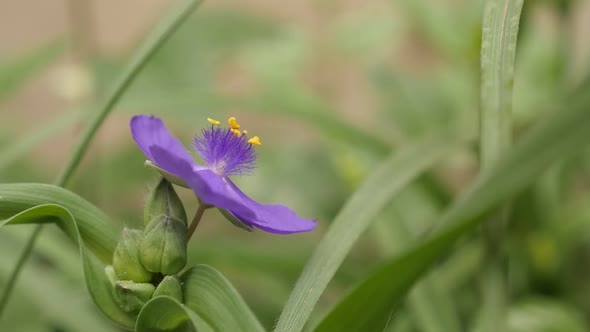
(498, 51)
(153, 43)
(196, 219)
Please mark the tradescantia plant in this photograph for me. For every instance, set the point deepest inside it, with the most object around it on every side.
(146, 262)
(146, 268)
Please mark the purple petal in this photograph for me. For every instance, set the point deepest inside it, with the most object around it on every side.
(273, 218)
(149, 132)
(210, 187)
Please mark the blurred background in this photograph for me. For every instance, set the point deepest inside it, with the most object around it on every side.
(331, 87)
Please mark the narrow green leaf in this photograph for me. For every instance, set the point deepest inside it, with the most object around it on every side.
(15, 72)
(388, 179)
(216, 301)
(498, 51)
(98, 231)
(163, 313)
(96, 280)
(369, 306)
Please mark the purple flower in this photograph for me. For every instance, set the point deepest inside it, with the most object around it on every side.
(225, 152)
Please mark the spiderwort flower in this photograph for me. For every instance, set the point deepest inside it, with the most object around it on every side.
(225, 152)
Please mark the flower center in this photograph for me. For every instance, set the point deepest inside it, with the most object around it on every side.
(227, 151)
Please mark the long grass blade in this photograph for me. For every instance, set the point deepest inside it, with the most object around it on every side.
(393, 174)
(369, 306)
(498, 51)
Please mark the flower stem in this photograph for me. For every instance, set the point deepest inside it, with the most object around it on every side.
(196, 219)
(137, 63)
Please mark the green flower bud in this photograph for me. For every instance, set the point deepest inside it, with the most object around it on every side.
(163, 200)
(170, 286)
(163, 248)
(126, 261)
(132, 296)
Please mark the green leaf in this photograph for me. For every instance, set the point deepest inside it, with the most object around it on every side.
(359, 211)
(211, 296)
(96, 280)
(163, 313)
(369, 306)
(99, 233)
(498, 51)
(15, 72)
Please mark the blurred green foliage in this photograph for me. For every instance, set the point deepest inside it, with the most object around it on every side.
(417, 66)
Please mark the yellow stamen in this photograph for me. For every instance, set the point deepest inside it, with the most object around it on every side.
(236, 132)
(255, 140)
(245, 132)
(233, 123)
(213, 122)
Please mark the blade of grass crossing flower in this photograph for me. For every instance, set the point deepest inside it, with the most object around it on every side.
(96, 280)
(153, 43)
(213, 298)
(561, 135)
(164, 313)
(353, 219)
(498, 50)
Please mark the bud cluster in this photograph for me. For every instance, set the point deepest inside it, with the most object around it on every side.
(145, 261)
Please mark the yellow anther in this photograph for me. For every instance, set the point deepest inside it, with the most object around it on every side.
(255, 140)
(213, 122)
(236, 132)
(245, 132)
(233, 123)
